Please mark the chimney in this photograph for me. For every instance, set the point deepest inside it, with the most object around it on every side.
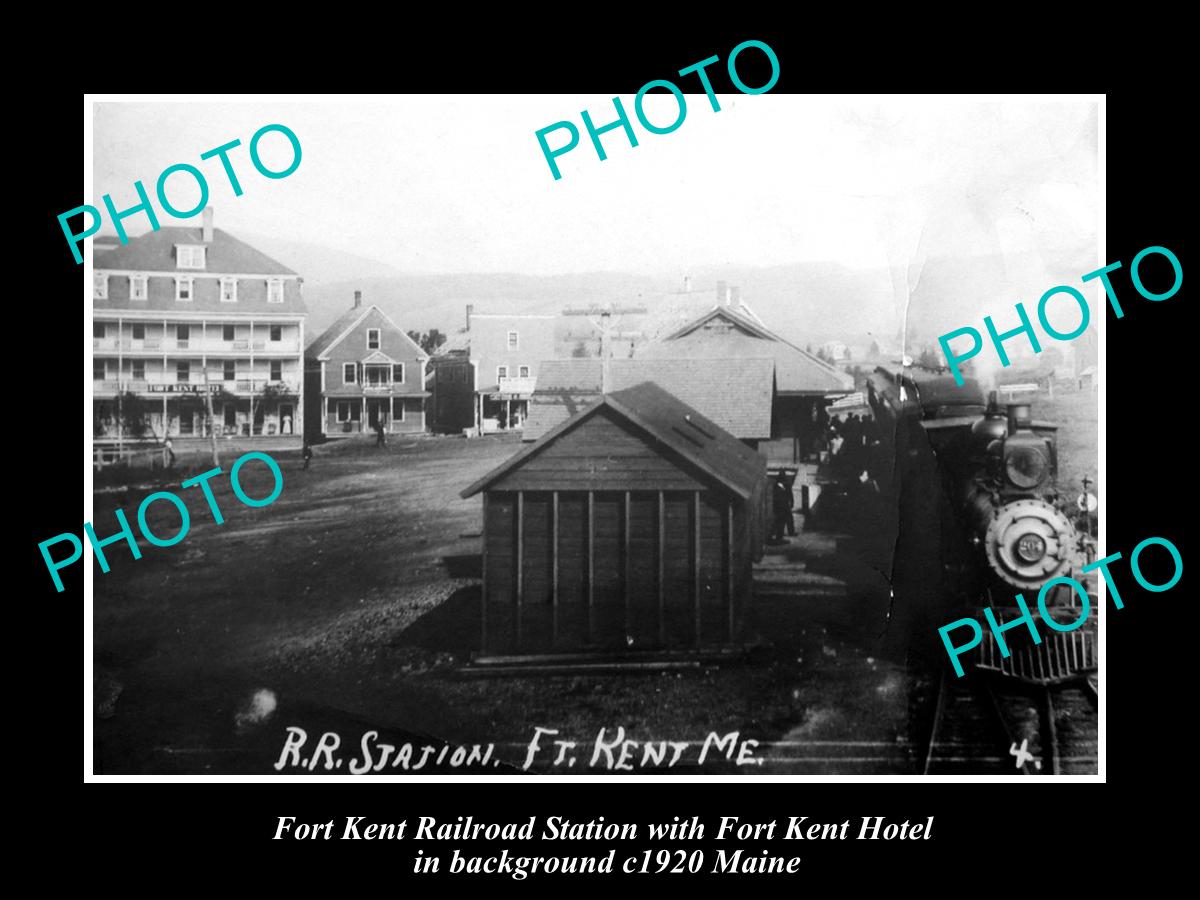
(687, 284)
(207, 219)
(357, 299)
(470, 309)
(735, 296)
(722, 291)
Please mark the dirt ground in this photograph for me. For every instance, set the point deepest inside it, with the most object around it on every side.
(351, 603)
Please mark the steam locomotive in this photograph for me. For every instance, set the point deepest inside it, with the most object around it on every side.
(973, 485)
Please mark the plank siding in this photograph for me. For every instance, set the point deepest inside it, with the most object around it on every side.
(601, 454)
(678, 612)
(572, 569)
(643, 566)
(537, 607)
(499, 533)
(609, 604)
(714, 617)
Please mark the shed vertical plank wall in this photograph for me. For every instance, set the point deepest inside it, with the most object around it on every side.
(572, 569)
(609, 608)
(500, 534)
(659, 539)
(643, 547)
(679, 611)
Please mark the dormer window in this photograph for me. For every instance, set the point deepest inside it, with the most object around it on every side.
(189, 257)
(100, 286)
(137, 287)
(229, 290)
(275, 290)
(372, 338)
(183, 288)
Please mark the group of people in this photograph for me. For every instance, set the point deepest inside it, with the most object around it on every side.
(851, 440)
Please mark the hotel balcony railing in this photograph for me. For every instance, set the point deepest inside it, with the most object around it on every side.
(194, 344)
(169, 386)
(383, 387)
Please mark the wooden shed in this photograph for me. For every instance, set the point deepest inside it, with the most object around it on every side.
(630, 527)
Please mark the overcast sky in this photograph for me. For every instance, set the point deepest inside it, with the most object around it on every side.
(459, 183)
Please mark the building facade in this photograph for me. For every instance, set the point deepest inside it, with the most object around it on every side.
(485, 376)
(182, 315)
(362, 372)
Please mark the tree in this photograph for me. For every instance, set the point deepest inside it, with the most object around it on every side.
(929, 360)
(874, 349)
(270, 393)
(133, 413)
(580, 350)
(430, 341)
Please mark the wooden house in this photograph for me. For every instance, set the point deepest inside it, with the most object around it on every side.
(631, 526)
(364, 371)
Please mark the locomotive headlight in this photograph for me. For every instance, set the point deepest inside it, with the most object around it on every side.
(1026, 467)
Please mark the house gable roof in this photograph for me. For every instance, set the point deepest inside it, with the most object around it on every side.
(690, 438)
(346, 323)
(796, 371)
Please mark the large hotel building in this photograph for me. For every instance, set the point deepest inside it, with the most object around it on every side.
(181, 312)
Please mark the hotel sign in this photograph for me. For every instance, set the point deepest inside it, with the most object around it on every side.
(168, 388)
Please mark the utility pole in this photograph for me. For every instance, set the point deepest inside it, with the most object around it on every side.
(601, 319)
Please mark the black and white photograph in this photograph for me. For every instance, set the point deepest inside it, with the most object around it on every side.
(530, 435)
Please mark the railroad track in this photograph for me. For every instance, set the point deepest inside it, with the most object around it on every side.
(989, 724)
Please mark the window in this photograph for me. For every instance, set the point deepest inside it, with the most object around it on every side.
(275, 290)
(183, 371)
(347, 411)
(183, 288)
(227, 332)
(398, 373)
(100, 286)
(277, 332)
(139, 369)
(139, 332)
(376, 374)
(230, 373)
(372, 338)
(137, 287)
(348, 374)
(182, 333)
(229, 290)
(97, 370)
(524, 371)
(98, 329)
(501, 372)
(512, 340)
(188, 257)
(276, 370)
(397, 409)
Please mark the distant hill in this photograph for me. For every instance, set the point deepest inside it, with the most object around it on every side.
(807, 303)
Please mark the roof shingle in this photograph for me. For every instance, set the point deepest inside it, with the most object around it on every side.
(737, 396)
